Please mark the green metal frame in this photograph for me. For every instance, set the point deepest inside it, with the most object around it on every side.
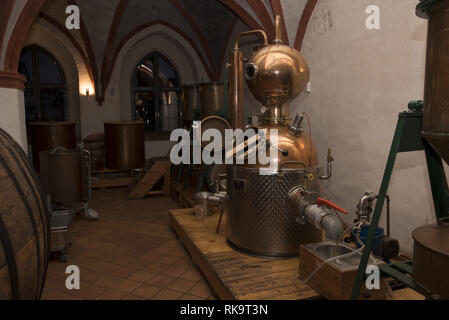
(407, 138)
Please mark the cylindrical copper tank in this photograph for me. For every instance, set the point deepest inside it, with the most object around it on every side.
(431, 260)
(63, 175)
(50, 135)
(125, 144)
(211, 98)
(436, 94)
(190, 103)
(24, 230)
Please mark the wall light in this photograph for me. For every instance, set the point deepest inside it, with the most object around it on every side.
(87, 91)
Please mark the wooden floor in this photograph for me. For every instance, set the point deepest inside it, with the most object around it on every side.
(232, 274)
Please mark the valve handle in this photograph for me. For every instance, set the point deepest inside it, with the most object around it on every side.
(330, 204)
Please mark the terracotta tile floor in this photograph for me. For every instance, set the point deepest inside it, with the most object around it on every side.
(129, 253)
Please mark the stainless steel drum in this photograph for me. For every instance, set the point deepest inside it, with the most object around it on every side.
(211, 98)
(190, 103)
(125, 144)
(260, 220)
(64, 175)
(436, 93)
(49, 135)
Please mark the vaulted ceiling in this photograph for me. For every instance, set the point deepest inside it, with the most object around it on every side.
(106, 25)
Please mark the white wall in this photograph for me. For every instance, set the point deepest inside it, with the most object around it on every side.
(12, 115)
(361, 79)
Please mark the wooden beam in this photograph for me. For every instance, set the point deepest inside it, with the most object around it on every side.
(157, 171)
(304, 23)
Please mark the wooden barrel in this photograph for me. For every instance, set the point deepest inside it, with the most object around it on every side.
(24, 228)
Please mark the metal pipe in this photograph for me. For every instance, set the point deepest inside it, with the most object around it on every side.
(323, 219)
(278, 37)
(236, 89)
(246, 33)
(328, 174)
(236, 79)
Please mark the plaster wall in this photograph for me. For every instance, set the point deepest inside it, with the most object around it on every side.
(360, 80)
(12, 115)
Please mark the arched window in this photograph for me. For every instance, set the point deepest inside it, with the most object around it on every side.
(156, 91)
(46, 86)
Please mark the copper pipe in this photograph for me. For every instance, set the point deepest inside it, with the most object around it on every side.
(278, 36)
(246, 33)
(236, 88)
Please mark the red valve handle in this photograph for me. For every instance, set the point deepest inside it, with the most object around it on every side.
(330, 204)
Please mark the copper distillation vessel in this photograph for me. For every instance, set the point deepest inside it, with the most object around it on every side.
(271, 214)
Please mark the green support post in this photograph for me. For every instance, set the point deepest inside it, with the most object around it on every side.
(407, 138)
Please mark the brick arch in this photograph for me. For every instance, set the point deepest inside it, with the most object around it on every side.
(21, 29)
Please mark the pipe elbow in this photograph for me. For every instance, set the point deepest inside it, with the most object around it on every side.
(324, 219)
(333, 227)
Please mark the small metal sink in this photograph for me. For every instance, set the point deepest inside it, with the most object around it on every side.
(327, 250)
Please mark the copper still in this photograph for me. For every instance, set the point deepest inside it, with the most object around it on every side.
(50, 135)
(431, 253)
(64, 175)
(125, 144)
(190, 104)
(211, 98)
(273, 212)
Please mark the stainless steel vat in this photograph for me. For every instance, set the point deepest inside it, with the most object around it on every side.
(259, 218)
(125, 144)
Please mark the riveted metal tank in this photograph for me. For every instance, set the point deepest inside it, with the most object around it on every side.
(436, 92)
(125, 144)
(260, 220)
(49, 135)
(64, 175)
(190, 103)
(431, 250)
(211, 98)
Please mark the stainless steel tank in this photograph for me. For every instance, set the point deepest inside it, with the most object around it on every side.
(48, 135)
(190, 103)
(211, 98)
(125, 144)
(260, 220)
(436, 93)
(64, 175)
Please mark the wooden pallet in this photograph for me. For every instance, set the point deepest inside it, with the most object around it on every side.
(231, 274)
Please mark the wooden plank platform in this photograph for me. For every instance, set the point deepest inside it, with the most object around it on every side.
(231, 274)
(234, 275)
